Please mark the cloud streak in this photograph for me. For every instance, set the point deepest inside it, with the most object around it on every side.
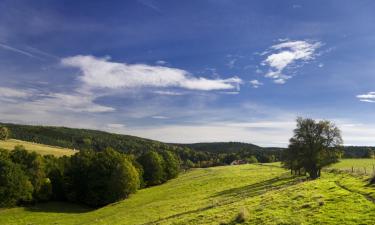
(102, 73)
(369, 97)
(282, 56)
(19, 51)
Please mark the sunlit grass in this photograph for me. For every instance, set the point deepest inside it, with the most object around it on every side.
(268, 195)
(356, 166)
(39, 148)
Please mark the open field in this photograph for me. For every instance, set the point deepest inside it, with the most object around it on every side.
(268, 194)
(39, 148)
(358, 165)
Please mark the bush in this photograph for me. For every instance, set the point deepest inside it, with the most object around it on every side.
(14, 184)
(252, 159)
(4, 133)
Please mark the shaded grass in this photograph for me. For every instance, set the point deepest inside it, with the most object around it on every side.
(39, 148)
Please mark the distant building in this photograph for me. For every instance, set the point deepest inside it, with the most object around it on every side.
(238, 162)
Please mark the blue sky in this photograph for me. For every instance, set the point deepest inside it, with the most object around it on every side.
(190, 71)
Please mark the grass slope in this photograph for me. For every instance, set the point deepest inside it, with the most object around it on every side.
(39, 148)
(216, 195)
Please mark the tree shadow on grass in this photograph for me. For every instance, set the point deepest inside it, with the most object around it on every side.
(259, 188)
(58, 207)
(232, 195)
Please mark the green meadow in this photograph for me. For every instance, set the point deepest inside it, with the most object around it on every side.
(358, 166)
(259, 194)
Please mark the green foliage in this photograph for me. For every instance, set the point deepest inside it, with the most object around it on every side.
(153, 165)
(171, 165)
(217, 195)
(203, 155)
(88, 177)
(313, 146)
(100, 178)
(4, 133)
(14, 184)
(358, 152)
(33, 165)
(45, 191)
(252, 159)
(227, 152)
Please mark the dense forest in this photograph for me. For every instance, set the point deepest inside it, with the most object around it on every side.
(94, 178)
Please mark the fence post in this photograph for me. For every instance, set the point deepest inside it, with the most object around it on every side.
(352, 169)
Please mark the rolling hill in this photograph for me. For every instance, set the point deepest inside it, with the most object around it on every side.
(264, 194)
(39, 148)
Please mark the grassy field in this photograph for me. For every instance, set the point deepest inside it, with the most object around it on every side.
(356, 165)
(39, 148)
(267, 195)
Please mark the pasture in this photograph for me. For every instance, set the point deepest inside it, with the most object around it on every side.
(39, 148)
(265, 194)
(357, 166)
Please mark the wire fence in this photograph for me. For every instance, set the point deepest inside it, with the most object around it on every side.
(360, 170)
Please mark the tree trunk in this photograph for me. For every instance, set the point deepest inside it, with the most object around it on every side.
(314, 173)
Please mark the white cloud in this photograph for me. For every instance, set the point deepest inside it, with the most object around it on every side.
(115, 125)
(172, 93)
(72, 102)
(369, 97)
(101, 73)
(13, 93)
(161, 62)
(266, 133)
(160, 117)
(256, 83)
(230, 92)
(281, 56)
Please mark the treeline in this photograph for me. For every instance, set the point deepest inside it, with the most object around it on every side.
(227, 152)
(94, 178)
(194, 155)
(358, 152)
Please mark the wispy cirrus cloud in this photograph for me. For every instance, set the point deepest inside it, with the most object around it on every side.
(102, 73)
(19, 51)
(29, 52)
(283, 55)
(6, 92)
(369, 97)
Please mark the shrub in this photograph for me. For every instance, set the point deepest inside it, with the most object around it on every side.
(4, 133)
(252, 159)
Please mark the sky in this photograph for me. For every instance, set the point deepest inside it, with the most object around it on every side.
(190, 71)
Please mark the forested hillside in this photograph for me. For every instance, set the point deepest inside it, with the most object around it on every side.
(192, 155)
(238, 150)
